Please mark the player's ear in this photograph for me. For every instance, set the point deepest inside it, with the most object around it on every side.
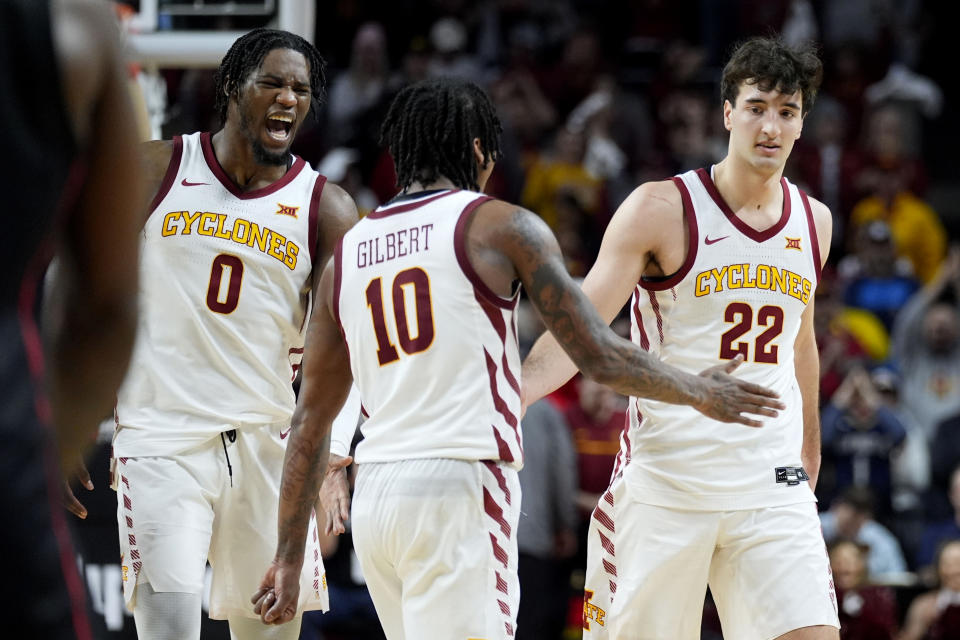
(727, 112)
(478, 154)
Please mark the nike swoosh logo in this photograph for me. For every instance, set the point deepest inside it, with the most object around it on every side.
(187, 183)
(709, 240)
(284, 434)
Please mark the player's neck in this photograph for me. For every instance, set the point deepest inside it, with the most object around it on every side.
(743, 186)
(235, 156)
(440, 183)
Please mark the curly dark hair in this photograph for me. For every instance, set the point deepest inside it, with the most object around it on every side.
(772, 65)
(430, 129)
(246, 55)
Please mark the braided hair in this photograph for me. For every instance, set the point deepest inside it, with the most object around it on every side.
(430, 129)
(246, 55)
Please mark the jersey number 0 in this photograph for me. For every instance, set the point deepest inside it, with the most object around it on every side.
(416, 279)
(217, 300)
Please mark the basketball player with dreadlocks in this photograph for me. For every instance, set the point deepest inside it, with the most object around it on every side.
(231, 244)
(419, 307)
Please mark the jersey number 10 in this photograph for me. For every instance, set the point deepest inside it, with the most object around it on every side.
(417, 279)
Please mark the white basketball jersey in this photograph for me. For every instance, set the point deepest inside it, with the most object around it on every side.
(224, 283)
(739, 291)
(433, 350)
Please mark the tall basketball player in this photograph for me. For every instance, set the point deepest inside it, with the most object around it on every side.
(722, 264)
(71, 183)
(236, 230)
(419, 307)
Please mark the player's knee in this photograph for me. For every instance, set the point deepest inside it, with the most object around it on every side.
(819, 632)
(254, 629)
(166, 615)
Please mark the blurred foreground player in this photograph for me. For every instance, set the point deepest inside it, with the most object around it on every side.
(71, 184)
(419, 305)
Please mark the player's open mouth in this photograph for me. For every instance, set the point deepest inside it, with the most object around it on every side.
(279, 126)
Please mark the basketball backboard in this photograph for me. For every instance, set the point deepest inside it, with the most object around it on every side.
(154, 43)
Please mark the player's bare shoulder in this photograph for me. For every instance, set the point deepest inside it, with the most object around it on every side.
(336, 207)
(498, 224)
(336, 213)
(653, 203)
(647, 228)
(502, 240)
(156, 156)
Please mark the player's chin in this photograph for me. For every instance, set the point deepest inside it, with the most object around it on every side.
(270, 151)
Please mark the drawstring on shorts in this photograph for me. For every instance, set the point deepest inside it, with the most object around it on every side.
(232, 437)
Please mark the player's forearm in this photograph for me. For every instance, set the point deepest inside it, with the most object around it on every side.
(629, 370)
(596, 350)
(808, 380)
(545, 369)
(345, 425)
(304, 466)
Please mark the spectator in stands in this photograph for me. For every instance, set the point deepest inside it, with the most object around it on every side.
(945, 451)
(561, 190)
(596, 421)
(917, 231)
(448, 37)
(546, 533)
(876, 280)
(860, 435)
(867, 612)
(574, 77)
(827, 162)
(936, 615)
(361, 87)
(851, 516)
(341, 166)
(845, 336)
(937, 533)
(926, 348)
(909, 465)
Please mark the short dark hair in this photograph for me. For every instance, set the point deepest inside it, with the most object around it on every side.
(861, 499)
(772, 65)
(247, 53)
(430, 129)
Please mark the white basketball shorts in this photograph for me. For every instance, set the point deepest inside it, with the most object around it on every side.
(176, 513)
(437, 543)
(648, 568)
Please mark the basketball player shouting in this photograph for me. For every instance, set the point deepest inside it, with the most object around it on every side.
(236, 230)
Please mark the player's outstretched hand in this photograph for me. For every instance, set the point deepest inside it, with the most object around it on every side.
(728, 398)
(276, 599)
(82, 477)
(334, 499)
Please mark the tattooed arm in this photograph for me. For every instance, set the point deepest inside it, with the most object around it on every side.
(526, 242)
(323, 390)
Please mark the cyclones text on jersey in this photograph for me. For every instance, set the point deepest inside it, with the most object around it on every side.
(763, 276)
(242, 231)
